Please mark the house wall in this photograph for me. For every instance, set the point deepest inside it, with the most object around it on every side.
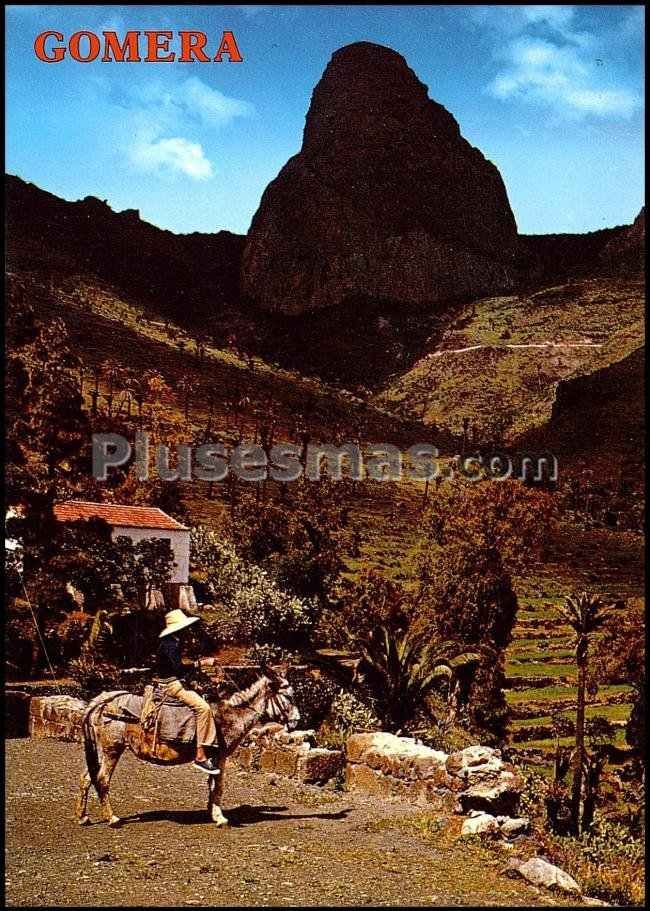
(179, 542)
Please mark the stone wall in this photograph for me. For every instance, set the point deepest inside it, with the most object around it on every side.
(56, 717)
(475, 778)
(291, 754)
(380, 764)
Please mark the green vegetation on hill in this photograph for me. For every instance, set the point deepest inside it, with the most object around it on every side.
(499, 359)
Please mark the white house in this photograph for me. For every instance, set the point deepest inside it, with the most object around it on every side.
(137, 523)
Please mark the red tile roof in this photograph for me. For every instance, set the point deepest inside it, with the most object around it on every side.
(114, 514)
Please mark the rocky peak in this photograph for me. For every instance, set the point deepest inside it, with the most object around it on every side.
(385, 200)
(370, 90)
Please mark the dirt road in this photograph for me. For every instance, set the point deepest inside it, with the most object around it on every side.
(289, 844)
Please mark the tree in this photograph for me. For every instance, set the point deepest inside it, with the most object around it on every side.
(475, 537)
(47, 443)
(296, 537)
(619, 657)
(584, 614)
(47, 434)
(249, 606)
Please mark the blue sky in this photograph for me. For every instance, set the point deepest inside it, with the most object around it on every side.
(552, 94)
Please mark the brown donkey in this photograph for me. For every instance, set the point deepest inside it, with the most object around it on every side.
(106, 738)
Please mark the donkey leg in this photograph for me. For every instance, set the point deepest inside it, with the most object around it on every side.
(110, 759)
(82, 800)
(215, 791)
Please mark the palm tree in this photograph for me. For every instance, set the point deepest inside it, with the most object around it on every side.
(584, 614)
(406, 666)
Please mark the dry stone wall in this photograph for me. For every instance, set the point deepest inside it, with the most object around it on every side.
(474, 779)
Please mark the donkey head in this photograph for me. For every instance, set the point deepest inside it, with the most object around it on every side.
(280, 706)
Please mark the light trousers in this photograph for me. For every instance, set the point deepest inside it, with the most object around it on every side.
(206, 730)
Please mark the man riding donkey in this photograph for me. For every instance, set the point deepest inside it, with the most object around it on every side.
(118, 720)
(171, 672)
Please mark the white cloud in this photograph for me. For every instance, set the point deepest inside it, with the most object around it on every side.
(162, 118)
(558, 17)
(173, 154)
(547, 61)
(211, 105)
(192, 99)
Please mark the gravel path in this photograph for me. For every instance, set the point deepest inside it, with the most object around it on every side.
(289, 844)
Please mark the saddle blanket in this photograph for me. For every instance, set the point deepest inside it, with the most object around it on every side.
(176, 722)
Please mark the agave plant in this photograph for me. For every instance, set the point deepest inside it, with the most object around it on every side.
(584, 614)
(406, 666)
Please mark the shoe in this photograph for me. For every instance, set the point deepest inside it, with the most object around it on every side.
(206, 766)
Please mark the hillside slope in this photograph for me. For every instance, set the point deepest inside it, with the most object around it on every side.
(193, 278)
(499, 360)
(598, 420)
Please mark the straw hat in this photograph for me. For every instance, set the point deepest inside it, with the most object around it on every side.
(176, 620)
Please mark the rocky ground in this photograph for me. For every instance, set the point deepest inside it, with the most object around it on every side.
(289, 844)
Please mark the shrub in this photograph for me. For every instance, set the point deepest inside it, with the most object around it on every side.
(313, 696)
(22, 648)
(251, 606)
(404, 667)
(349, 715)
(94, 676)
(607, 862)
(70, 635)
(477, 536)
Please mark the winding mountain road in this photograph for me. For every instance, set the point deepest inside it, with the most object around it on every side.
(517, 345)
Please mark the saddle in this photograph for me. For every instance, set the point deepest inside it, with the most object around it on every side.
(165, 719)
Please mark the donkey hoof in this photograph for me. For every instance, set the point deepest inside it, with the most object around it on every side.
(84, 820)
(114, 821)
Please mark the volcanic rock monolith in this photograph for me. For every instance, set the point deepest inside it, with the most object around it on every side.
(385, 201)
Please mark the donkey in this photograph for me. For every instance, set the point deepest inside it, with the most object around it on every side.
(106, 738)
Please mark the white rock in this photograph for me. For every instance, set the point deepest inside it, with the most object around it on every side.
(495, 792)
(541, 873)
(373, 747)
(473, 761)
(477, 825)
(513, 826)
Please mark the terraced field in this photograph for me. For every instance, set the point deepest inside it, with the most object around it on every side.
(540, 670)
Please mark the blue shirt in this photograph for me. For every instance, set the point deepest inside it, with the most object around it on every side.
(170, 664)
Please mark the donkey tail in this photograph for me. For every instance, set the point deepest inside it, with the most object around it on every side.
(90, 745)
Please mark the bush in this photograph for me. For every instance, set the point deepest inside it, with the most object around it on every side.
(607, 862)
(70, 634)
(249, 605)
(22, 647)
(134, 641)
(349, 715)
(313, 696)
(268, 654)
(94, 676)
